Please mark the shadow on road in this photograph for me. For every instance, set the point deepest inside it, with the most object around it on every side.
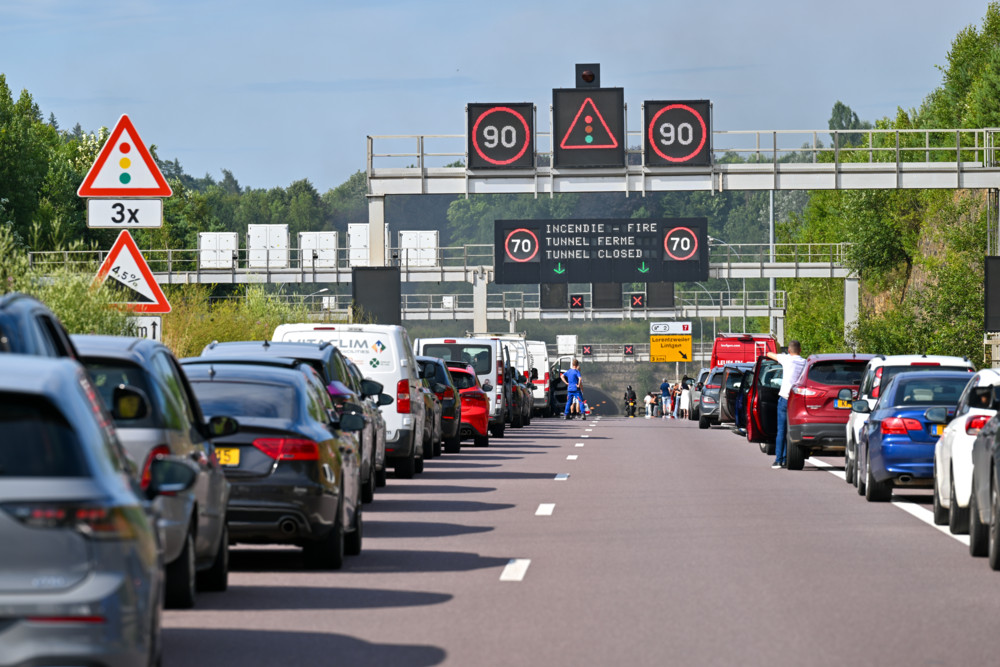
(472, 474)
(423, 506)
(397, 561)
(376, 529)
(246, 648)
(291, 598)
(430, 488)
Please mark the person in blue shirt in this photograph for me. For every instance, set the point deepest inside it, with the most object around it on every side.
(574, 382)
(665, 398)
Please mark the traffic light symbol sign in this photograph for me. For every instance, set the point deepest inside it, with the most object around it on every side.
(124, 168)
(588, 129)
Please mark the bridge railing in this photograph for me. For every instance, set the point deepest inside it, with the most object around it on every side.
(975, 147)
(466, 257)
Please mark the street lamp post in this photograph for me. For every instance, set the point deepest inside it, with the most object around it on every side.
(325, 289)
(701, 333)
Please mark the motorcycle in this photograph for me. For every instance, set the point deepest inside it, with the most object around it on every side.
(630, 407)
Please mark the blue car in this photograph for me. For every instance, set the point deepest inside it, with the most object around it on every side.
(896, 448)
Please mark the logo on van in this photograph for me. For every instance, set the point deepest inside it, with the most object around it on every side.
(374, 363)
(378, 346)
(355, 344)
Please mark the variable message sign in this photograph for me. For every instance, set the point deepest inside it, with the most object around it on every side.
(501, 136)
(588, 127)
(678, 133)
(600, 251)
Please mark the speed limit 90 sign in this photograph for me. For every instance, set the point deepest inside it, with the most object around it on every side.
(501, 136)
(678, 133)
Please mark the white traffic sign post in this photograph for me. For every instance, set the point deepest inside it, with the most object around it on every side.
(124, 213)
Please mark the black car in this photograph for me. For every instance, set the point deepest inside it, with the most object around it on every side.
(344, 391)
(295, 477)
(436, 372)
(731, 381)
(27, 326)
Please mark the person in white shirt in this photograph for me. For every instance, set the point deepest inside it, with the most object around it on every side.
(648, 401)
(792, 364)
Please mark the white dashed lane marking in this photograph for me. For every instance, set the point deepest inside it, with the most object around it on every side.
(579, 444)
(562, 477)
(545, 509)
(572, 457)
(515, 569)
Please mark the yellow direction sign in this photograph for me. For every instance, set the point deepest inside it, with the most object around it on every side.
(669, 348)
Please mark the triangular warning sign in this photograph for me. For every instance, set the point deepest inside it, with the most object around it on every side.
(124, 168)
(131, 273)
(588, 129)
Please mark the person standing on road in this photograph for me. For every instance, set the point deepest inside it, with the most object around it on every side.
(574, 383)
(792, 364)
(648, 401)
(665, 398)
(685, 400)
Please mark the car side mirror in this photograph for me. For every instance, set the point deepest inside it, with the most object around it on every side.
(351, 422)
(845, 395)
(861, 407)
(129, 402)
(487, 386)
(937, 415)
(219, 427)
(385, 399)
(353, 407)
(371, 387)
(699, 386)
(439, 388)
(170, 475)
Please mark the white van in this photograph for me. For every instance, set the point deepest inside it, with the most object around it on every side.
(486, 356)
(538, 366)
(382, 352)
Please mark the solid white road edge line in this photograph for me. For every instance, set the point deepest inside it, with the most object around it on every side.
(572, 457)
(912, 509)
(545, 509)
(515, 569)
(562, 477)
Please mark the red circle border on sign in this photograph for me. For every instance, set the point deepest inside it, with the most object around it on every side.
(694, 236)
(652, 141)
(515, 231)
(475, 133)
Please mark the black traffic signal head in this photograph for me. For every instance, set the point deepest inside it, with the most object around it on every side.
(588, 75)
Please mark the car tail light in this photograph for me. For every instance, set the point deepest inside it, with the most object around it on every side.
(900, 426)
(975, 423)
(712, 386)
(448, 394)
(449, 340)
(707, 399)
(403, 396)
(499, 374)
(94, 521)
(159, 450)
(288, 449)
(876, 382)
(925, 363)
(66, 619)
(805, 391)
(546, 380)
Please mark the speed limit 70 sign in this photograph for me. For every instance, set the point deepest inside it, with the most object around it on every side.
(501, 136)
(677, 133)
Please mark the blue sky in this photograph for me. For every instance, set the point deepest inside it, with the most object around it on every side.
(277, 91)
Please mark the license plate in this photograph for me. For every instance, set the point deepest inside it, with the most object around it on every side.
(938, 429)
(843, 404)
(228, 456)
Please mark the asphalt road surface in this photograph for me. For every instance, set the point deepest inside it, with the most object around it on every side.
(612, 542)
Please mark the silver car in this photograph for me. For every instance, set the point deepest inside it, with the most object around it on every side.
(192, 524)
(82, 577)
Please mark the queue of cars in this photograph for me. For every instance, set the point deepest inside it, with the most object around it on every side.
(147, 468)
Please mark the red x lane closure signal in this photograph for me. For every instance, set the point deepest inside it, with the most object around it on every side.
(629, 350)
(588, 350)
(576, 301)
(132, 275)
(124, 168)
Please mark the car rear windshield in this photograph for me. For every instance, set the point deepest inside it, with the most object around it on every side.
(929, 391)
(245, 399)
(734, 379)
(889, 372)
(463, 380)
(480, 356)
(837, 372)
(711, 384)
(108, 374)
(37, 440)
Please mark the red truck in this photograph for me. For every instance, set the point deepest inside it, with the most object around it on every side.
(741, 348)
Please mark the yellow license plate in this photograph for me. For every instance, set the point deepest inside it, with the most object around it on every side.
(938, 429)
(843, 404)
(228, 456)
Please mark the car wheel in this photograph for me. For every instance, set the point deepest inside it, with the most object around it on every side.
(703, 422)
(795, 456)
(328, 553)
(453, 445)
(875, 492)
(381, 476)
(418, 465)
(993, 539)
(481, 441)
(216, 578)
(437, 448)
(497, 431)
(352, 541)
(849, 470)
(978, 537)
(515, 422)
(368, 488)
(958, 518)
(181, 582)
(427, 449)
(940, 512)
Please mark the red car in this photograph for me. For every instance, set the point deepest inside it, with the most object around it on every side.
(816, 417)
(475, 403)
